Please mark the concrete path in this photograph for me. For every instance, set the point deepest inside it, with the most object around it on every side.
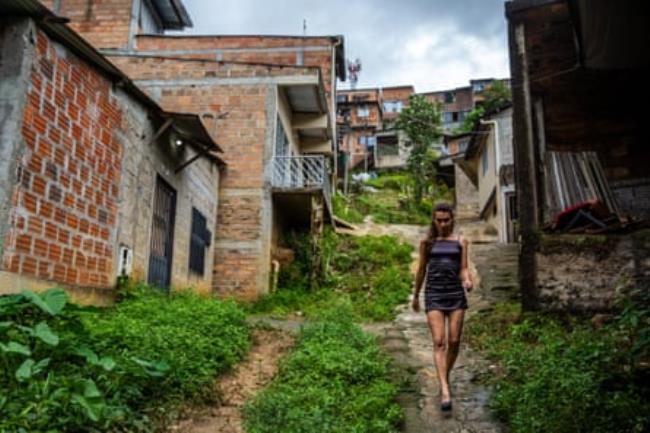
(408, 340)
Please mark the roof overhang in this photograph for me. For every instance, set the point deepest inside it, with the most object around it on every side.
(310, 116)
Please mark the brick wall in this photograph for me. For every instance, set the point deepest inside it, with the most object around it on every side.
(63, 207)
(105, 24)
(278, 50)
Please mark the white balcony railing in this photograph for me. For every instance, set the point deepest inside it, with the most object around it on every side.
(301, 172)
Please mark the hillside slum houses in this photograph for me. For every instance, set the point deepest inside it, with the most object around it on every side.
(178, 160)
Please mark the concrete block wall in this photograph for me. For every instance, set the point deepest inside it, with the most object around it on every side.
(66, 166)
(196, 186)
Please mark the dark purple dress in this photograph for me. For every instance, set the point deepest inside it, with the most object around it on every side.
(443, 289)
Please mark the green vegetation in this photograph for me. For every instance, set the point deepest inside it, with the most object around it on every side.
(496, 96)
(336, 380)
(563, 374)
(371, 273)
(392, 203)
(68, 368)
(420, 120)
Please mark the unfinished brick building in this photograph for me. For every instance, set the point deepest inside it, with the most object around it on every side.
(97, 179)
(267, 100)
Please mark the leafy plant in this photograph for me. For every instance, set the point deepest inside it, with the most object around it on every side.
(68, 368)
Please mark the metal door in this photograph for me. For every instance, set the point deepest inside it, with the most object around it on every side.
(162, 235)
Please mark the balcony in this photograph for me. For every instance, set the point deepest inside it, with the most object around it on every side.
(306, 174)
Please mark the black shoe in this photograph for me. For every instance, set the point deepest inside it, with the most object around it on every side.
(445, 406)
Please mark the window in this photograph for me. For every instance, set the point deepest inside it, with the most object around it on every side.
(447, 117)
(450, 97)
(148, 20)
(478, 87)
(362, 140)
(371, 140)
(281, 140)
(363, 111)
(393, 106)
(199, 241)
(454, 116)
(341, 99)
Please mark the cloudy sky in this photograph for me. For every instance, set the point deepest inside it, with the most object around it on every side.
(432, 44)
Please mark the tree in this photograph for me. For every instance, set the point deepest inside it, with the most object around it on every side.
(497, 95)
(421, 123)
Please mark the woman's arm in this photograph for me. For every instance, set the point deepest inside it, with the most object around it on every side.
(419, 276)
(465, 277)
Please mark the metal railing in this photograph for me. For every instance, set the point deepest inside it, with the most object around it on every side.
(296, 172)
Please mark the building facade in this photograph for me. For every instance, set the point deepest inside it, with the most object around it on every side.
(97, 180)
(269, 101)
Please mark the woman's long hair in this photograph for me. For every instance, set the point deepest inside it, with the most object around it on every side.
(433, 229)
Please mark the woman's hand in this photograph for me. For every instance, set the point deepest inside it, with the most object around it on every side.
(468, 285)
(415, 304)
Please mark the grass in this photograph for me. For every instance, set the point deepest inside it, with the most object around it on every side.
(371, 273)
(391, 203)
(562, 374)
(335, 380)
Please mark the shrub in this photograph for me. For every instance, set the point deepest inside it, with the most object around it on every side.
(370, 272)
(561, 375)
(336, 380)
(195, 337)
(68, 368)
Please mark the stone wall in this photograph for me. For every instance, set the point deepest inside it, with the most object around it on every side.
(589, 272)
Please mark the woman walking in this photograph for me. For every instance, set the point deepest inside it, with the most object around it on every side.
(443, 261)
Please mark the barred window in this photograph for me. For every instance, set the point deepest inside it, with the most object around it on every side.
(199, 241)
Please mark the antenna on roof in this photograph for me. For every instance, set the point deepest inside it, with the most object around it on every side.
(353, 72)
(304, 27)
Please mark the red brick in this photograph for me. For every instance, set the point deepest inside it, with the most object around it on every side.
(35, 225)
(54, 252)
(40, 248)
(30, 201)
(38, 186)
(59, 272)
(28, 265)
(44, 270)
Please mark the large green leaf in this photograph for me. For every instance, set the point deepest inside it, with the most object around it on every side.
(51, 301)
(24, 372)
(43, 331)
(90, 390)
(89, 408)
(14, 347)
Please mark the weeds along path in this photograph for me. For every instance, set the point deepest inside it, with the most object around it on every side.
(407, 339)
(233, 389)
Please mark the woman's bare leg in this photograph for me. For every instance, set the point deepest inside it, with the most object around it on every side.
(437, 325)
(456, 319)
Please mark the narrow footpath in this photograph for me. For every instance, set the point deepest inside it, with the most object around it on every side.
(408, 340)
